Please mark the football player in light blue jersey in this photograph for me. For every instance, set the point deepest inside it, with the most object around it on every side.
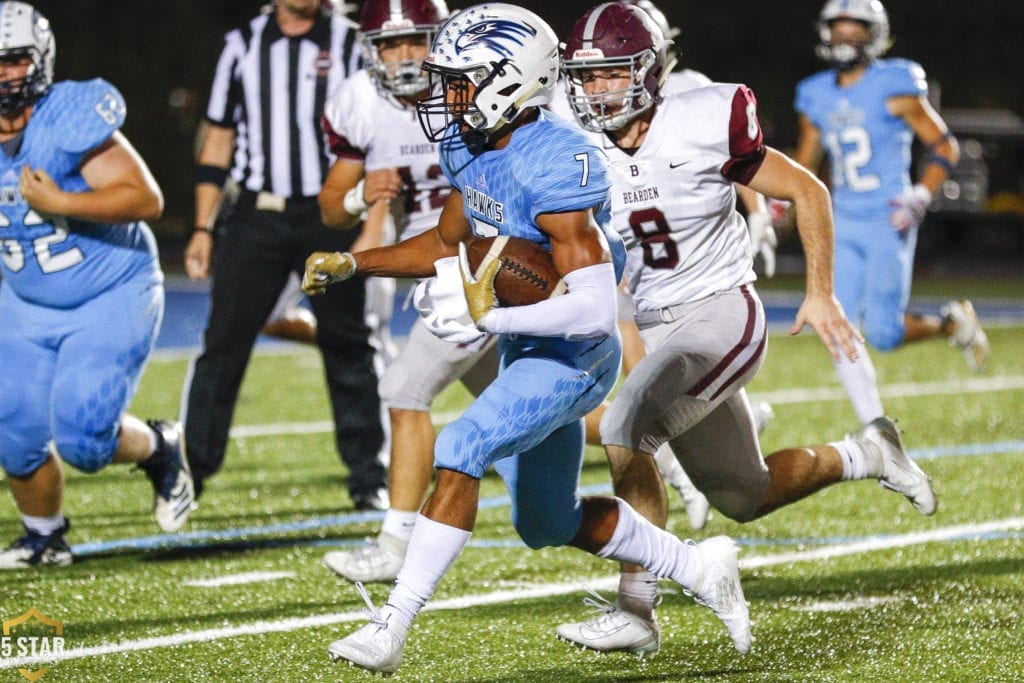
(82, 295)
(864, 113)
(516, 172)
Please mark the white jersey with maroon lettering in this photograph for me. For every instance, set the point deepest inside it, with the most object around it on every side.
(368, 125)
(673, 200)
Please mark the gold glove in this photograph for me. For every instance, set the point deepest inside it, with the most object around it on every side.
(479, 286)
(326, 267)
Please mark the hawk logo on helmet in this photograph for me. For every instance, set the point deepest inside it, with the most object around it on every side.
(494, 34)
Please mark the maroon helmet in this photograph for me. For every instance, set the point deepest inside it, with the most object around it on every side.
(383, 19)
(614, 35)
(659, 17)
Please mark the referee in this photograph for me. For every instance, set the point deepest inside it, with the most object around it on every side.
(264, 123)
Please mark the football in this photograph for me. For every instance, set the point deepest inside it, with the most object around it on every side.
(526, 275)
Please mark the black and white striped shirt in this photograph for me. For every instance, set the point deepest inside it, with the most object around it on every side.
(272, 90)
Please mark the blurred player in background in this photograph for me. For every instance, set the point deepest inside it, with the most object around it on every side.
(516, 171)
(386, 162)
(674, 161)
(82, 296)
(864, 113)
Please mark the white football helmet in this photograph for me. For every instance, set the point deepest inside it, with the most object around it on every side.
(508, 54)
(845, 56)
(25, 32)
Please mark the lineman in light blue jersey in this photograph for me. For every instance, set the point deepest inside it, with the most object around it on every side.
(82, 294)
(864, 113)
(516, 172)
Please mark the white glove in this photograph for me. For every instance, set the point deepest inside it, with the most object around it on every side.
(763, 240)
(909, 208)
(442, 305)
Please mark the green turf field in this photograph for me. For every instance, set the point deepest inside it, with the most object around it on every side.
(849, 585)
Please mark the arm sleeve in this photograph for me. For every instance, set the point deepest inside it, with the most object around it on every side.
(586, 311)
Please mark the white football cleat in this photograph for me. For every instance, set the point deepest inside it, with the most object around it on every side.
(718, 588)
(614, 630)
(377, 562)
(698, 509)
(35, 549)
(968, 336)
(168, 472)
(899, 472)
(375, 647)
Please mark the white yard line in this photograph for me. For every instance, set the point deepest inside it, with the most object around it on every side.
(503, 596)
(975, 385)
(239, 579)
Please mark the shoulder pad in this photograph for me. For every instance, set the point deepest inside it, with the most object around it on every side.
(84, 114)
(904, 77)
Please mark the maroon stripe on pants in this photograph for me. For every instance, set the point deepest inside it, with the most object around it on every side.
(748, 334)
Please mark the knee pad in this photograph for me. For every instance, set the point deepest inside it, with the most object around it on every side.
(87, 452)
(736, 507)
(884, 337)
(617, 425)
(17, 463)
(459, 448)
(540, 529)
(395, 390)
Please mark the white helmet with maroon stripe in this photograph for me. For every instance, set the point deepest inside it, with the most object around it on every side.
(385, 19)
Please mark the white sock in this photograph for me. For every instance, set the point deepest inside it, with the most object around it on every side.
(861, 383)
(671, 471)
(432, 550)
(860, 460)
(44, 525)
(399, 524)
(637, 541)
(637, 593)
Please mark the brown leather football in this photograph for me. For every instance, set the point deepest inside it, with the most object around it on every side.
(527, 273)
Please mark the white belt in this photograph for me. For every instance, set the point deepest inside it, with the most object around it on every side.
(268, 201)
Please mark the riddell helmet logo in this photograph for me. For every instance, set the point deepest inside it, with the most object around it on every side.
(32, 636)
(395, 25)
(591, 53)
(499, 35)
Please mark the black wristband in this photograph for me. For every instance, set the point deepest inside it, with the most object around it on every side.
(215, 175)
(203, 228)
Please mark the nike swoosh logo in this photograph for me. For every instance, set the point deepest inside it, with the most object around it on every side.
(677, 165)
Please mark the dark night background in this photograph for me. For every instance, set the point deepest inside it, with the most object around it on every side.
(161, 55)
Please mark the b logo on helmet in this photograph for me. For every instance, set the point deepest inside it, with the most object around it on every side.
(494, 34)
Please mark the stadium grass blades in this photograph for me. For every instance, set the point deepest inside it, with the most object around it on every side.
(254, 603)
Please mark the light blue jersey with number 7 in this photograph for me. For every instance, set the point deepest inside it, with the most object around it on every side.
(548, 166)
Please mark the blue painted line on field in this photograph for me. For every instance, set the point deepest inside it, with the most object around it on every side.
(201, 539)
(967, 449)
